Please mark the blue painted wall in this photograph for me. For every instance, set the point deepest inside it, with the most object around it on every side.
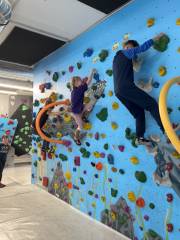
(132, 20)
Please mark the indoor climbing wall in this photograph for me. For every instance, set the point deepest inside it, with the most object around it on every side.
(7, 128)
(134, 190)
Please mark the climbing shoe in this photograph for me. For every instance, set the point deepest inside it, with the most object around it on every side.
(142, 141)
(85, 119)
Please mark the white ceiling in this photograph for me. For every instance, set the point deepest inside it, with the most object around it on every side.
(64, 19)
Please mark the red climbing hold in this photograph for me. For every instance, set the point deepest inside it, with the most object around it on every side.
(121, 148)
(45, 181)
(169, 197)
(77, 161)
(169, 227)
(140, 202)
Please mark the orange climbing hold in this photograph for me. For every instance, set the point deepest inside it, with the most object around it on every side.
(140, 202)
(99, 166)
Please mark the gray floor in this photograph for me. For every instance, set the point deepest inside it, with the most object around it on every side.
(29, 213)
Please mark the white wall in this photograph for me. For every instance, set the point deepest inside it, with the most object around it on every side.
(4, 103)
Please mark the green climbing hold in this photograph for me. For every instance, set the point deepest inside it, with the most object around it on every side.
(109, 72)
(141, 176)
(55, 77)
(63, 73)
(86, 154)
(35, 164)
(68, 85)
(90, 192)
(151, 205)
(79, 65)
(103, 55)
(114, 192)
(24, 107)
(169, 110)
(82, 181)
(63, 157)
(161, 44)
(82, 150)
(106, 146)
(102, 115)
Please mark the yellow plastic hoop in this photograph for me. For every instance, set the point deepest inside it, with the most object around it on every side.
(164, 113)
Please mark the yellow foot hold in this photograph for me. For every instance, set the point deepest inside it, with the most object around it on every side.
(162, 71)
(150, 22)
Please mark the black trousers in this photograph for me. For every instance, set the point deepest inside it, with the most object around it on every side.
(137, 101)
(3, 157)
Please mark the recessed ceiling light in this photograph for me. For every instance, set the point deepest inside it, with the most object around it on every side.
(8, 92)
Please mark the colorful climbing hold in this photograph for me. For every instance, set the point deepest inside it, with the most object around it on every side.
(99, 166)
(96, 154)
(178, 21)
(79, 65)
(151, 205)
(115, 105)
(96, 136)
(103, 114)
(110, 158)
(103, 55)
(106, 146)
(68, 175)
(121, 171)
(63, 157)
(169, 197)
(110, 93)
(82, 181)
(71, 69)
(161, 44)
(162, 71)
(88, 52)
(87, 126)
(109, 72)
(55, 77)
(178, 50)
(131, 196)
(140, 202)
(115, 46)
(141, 176)
(169, 227)
(134, 160)
(114, 125)
(114, 192)
(150, 22)
(121, 148)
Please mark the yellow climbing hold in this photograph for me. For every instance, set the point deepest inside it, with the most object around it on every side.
(162, 71)
(56, 186)
(87, 126)
(67, 117)
(115, 46)
(176, 155)
(68, 175)
(103, 135)
(86, 100)
(134, 160)
(90, 135)
(39, 145)
(178, 50)
(114, 125)
(103, 199)
(93, 205)
(178, 22)
(110, 93)
(115, 105)
(150, 22)
(82, 199)
(131, 196)
(69, 149)
(96, 154)
(113, 216)
(59, 135)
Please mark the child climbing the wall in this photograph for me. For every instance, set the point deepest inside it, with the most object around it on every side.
(4, 148)
(133, 98)
(77, 98)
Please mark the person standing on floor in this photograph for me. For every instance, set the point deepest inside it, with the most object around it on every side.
(4, 148)
(133, 98)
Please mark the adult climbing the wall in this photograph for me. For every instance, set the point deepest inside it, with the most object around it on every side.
(133, 98)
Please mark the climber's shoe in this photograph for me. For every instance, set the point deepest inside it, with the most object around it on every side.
(2, 185)
(85, 119)
(142, 141)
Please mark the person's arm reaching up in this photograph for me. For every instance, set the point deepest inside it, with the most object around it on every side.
(133, 52)
(91, 76)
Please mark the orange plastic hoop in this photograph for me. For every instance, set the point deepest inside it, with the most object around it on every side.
(39, 131)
